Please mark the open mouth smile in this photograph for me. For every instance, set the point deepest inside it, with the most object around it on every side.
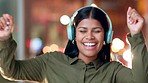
(89, 44)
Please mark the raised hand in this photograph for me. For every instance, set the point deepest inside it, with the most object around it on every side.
(135, 21)
(6, 26)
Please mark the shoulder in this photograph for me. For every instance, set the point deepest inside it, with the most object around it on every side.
(56, 55)
(113, 65)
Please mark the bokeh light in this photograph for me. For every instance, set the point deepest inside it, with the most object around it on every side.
(117, 45)
(64, 19)
(46, 49)
(54, 47)
(35, 44)
(51, 48)
(127, 55)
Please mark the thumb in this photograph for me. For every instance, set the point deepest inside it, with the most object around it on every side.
(129, 14)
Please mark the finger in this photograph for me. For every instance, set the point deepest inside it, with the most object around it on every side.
(2, 22)
(129, 19)
(136, 17)
(6, 19)
(4, 26)
(129, 11)
(9, 22)
(132, 16)
(1, 26)
(10, 19)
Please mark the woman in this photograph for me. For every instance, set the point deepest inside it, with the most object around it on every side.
(86, 58)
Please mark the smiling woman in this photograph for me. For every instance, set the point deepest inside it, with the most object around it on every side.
(87, 54)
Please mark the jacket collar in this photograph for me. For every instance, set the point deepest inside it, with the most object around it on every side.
(97, 62)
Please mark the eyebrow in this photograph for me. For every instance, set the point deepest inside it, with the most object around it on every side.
(99, 27)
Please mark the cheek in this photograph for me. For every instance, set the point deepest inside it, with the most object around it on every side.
(79, 36)
(100, 37)
(101, 40)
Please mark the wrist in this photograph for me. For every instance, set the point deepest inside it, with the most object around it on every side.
(134, 33)
(5, 38)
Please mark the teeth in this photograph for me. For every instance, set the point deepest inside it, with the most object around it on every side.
(89, 44)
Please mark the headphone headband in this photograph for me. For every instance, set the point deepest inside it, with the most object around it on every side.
(70, 30)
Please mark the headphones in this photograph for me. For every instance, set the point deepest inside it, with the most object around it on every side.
(70, 28)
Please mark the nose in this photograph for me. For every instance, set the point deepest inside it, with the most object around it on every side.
(90, 36)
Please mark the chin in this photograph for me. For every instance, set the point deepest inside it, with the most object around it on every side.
(91, 55)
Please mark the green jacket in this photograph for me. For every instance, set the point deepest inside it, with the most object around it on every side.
(57, 67)
(3, 80)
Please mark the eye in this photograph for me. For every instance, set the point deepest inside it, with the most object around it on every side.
(82, 31)
(97, 30)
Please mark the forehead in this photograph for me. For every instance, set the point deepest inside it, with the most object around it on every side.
(89, 22)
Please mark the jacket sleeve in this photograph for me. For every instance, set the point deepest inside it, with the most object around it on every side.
(31, 69)
(140, 58)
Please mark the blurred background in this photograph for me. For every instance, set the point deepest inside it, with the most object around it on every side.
(40, 25)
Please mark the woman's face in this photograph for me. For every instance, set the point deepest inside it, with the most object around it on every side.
(89, 38)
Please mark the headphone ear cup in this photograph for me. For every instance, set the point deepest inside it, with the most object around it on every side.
(70, 32)
(109, 35)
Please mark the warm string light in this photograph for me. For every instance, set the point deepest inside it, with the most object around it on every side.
(51, 48)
